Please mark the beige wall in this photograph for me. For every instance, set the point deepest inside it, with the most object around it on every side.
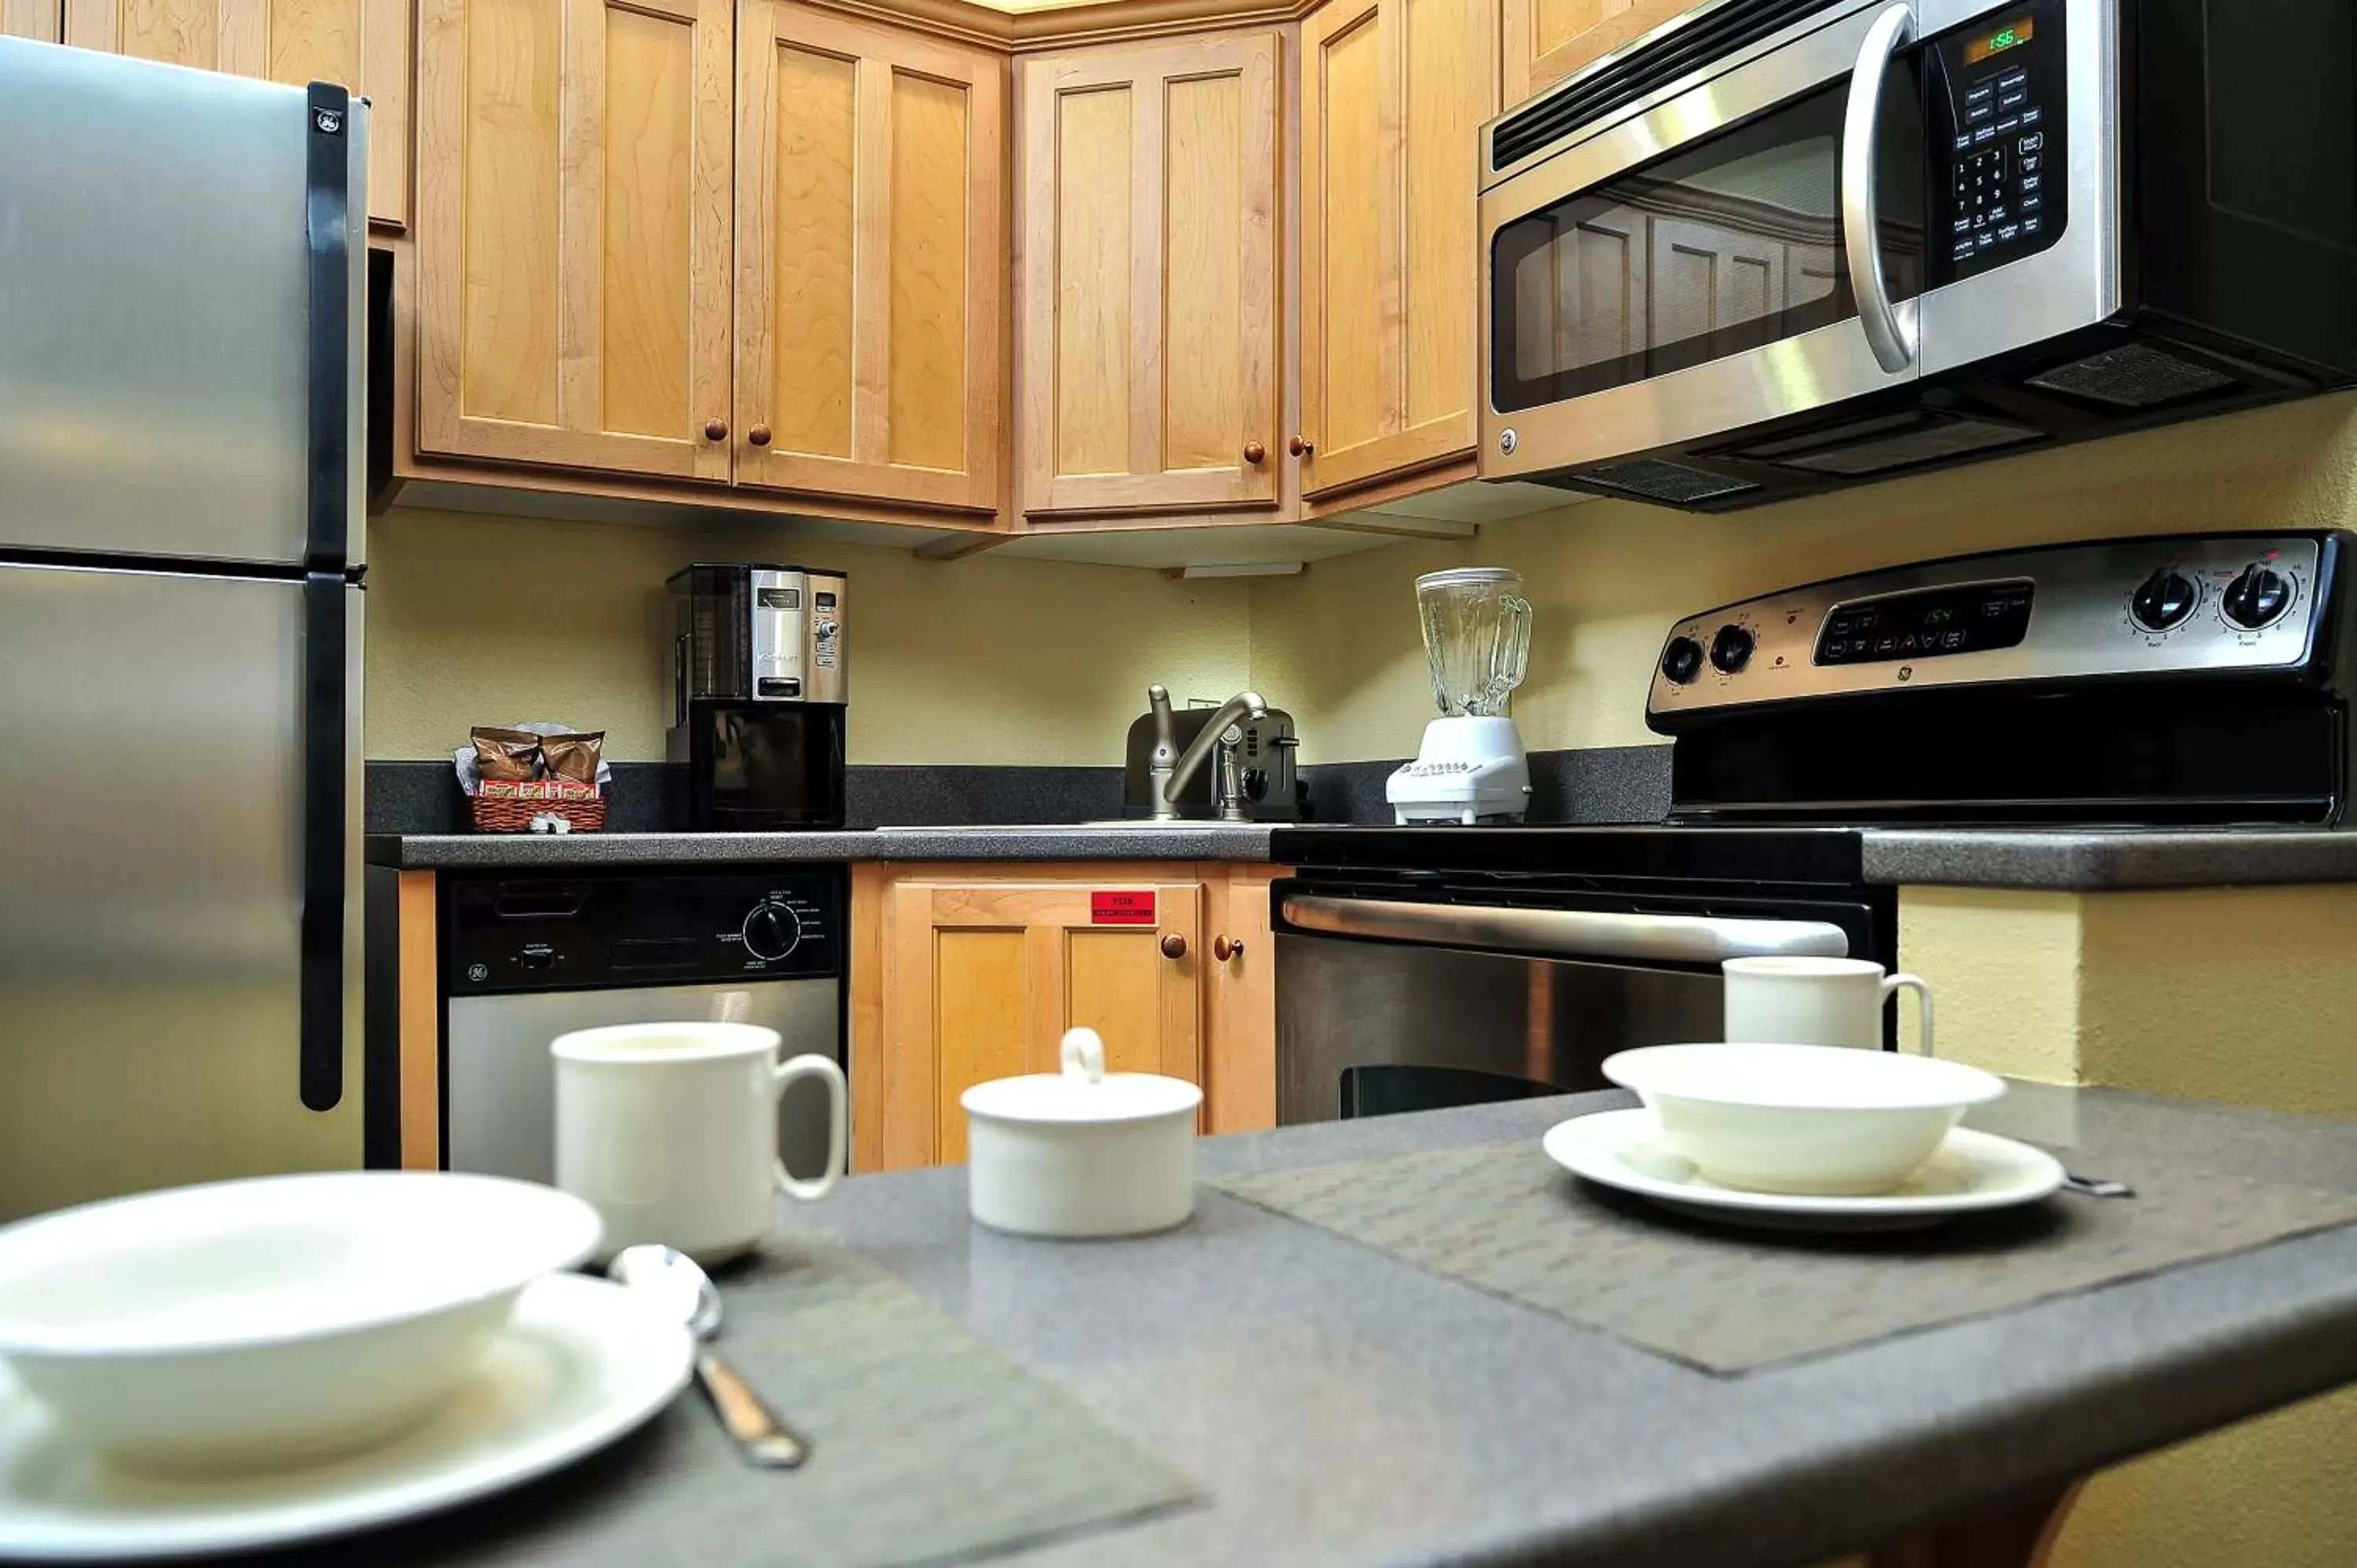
(477, 619)
(1337, 646)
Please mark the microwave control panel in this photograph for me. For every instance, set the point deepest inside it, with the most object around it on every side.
(1997, 92)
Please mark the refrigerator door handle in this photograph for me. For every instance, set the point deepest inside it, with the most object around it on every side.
(327, 214)
(325, 717)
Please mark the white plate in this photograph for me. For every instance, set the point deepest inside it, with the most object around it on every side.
(581, 1363)
(1968, 1172)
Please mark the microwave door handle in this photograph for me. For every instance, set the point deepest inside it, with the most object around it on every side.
(1565, 933)
(1888, 332)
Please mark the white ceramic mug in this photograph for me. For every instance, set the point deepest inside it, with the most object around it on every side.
(671, 1131)
(1815, 1001)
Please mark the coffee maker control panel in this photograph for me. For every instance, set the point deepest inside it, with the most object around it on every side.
(780, 609)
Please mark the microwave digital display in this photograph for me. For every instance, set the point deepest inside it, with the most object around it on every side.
(2003, 39)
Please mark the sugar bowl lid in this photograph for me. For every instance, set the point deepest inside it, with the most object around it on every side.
(1083, 1092)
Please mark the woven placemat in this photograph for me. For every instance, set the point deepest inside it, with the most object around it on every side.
(927, 1446)
(1505, 1218)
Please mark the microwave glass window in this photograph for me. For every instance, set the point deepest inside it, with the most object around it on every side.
(1734, 242)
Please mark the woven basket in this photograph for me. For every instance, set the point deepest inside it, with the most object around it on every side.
(509, 808)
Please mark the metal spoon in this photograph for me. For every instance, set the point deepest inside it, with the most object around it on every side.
(2097, 1186)
(688, 1292)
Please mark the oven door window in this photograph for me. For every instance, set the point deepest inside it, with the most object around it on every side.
(1726, 246)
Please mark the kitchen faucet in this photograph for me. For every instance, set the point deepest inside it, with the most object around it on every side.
(1220, 731)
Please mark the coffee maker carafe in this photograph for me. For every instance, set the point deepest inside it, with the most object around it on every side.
(760, 688)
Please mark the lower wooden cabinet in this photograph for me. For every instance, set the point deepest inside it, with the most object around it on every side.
(965, 973)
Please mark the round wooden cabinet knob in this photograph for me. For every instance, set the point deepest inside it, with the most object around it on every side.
(1224, 950)
(716, 430)
(1300, 448)
(1254, 452)
(1174, 946)
(759, 435)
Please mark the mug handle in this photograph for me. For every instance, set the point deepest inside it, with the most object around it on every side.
(838, 1124)
(1923, 990)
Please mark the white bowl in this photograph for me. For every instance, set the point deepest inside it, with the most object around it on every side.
(1829, 1120)
(240, 1325)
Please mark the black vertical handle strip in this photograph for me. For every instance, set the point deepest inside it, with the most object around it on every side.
(326, 711)
(324, 806)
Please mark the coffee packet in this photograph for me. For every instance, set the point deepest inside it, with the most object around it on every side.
(507, 756)
(573, 757)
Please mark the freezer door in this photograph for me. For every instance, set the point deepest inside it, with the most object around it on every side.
(171, 242)
(152, 816)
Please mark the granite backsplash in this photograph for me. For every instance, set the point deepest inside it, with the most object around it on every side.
(1613, 784)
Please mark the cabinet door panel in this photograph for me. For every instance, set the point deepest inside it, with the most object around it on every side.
(871, 239)
(982, 979)
(1149, 290)
(42, 19)
(363, 44)
(573, 255)
(1393, 92)
(1546, 41)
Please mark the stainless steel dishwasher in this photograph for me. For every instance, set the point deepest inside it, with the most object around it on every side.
(529, 957)
(1417, 968)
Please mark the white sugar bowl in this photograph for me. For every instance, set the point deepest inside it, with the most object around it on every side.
(1082, 1153)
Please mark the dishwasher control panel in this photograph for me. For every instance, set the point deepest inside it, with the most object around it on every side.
(523, 931)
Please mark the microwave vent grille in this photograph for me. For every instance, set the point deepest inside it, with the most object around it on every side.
(1708, 36)
(2134, 376)
(1664, 481)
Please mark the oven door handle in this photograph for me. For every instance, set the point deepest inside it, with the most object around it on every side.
(1567, 933)
(1890, 330)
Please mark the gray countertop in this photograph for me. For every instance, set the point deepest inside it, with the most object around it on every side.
(2097, 859)
(1339, 1408)
(2080, 859)
(463, 852)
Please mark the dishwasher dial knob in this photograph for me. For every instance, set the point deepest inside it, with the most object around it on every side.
(2164, 600)
(1730, 650)
(771, 930)
(2257, 598)
(1681, 660)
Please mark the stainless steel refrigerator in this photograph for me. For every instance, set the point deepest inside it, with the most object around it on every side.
(181, 277)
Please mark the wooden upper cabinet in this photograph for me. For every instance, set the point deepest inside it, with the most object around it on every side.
(982, 979)
(1149, 306)
(1393, 93)
(42, 19)
(573, 231)
(871, 244)
(362, 44)
(1545, 40)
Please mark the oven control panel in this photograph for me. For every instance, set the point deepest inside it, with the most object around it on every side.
(1996, 90)
(2125, 607)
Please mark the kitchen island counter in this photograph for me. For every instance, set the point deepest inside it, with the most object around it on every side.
(1338, 1407)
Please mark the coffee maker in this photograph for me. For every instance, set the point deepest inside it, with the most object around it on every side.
(760, 686)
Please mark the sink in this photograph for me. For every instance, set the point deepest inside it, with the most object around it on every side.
(1120, 825)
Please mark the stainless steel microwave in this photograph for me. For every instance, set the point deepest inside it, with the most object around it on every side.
(1781, 245)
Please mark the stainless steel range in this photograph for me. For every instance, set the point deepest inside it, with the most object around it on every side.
(2137, 682)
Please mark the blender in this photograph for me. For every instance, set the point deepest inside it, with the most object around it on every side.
(1470, 768)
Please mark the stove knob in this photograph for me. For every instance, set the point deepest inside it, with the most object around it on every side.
(1731, 649)
(2257, 598)
(771, 932)
(2164, 600)
(1681, 660)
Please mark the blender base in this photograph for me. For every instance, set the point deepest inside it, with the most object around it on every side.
(1470, 769)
